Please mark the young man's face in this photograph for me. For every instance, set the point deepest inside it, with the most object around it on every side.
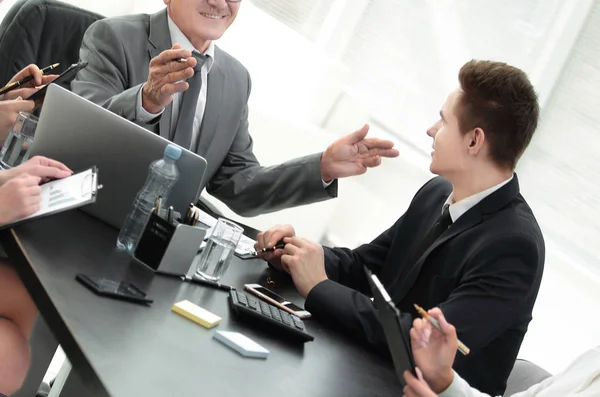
(450, 148)
(202, 20)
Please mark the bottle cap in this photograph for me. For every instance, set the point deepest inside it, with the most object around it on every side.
(173, 152)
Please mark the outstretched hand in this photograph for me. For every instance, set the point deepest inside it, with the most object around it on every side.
(353, 154)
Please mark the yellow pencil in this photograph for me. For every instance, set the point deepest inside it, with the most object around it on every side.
(461, 346)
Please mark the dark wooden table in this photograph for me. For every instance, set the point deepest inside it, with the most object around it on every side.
(123, 349)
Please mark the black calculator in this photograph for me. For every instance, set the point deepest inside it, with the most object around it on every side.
(252, 307)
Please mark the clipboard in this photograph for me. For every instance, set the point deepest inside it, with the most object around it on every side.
(65, 194)
(389, 317)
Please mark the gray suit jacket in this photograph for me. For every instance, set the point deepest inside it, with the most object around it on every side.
(119, 51)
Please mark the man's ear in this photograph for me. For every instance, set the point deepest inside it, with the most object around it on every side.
(476, 140)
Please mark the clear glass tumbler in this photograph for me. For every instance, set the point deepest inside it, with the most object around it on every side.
(219, 249)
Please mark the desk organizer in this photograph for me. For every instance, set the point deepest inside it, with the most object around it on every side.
(168, 248)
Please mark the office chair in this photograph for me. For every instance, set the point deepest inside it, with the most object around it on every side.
(41, 32)
(524, 375)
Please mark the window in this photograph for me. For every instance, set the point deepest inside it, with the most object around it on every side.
(405, 55)
(306, 16)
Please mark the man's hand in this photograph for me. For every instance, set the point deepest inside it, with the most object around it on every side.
(305, 262)
(417, 387)
(40, 167)
(353, 154)
(19, 197)
(32, 86)
(167, 77)
(268, 239)
(9, 110)
(434, 351)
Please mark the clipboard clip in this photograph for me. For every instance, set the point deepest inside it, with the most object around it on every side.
(93, 183)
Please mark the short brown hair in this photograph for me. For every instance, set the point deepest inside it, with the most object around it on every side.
(499, 99)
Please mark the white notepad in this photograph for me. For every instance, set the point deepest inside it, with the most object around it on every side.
(241, 344)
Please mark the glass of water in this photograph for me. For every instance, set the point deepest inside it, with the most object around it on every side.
(219, 249)
(18, 143)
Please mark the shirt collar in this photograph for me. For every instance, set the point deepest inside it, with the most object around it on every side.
(177, 36)
(461, 207)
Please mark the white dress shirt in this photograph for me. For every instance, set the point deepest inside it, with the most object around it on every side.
(178, 37)
(581, 379)
(459, 208)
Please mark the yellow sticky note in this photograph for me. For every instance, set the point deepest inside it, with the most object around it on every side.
(197, 314)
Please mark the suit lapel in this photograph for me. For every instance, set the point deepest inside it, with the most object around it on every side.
(408, 276)
(488, 206)
(159, 40)
(214, 97)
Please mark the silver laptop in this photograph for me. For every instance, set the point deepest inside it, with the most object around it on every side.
(82, 134)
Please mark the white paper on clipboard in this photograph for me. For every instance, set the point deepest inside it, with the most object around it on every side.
(63, 194)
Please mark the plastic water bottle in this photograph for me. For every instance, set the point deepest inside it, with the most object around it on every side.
(162, 176)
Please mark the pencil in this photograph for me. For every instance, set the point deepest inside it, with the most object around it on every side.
(26, 80)
(461, 346)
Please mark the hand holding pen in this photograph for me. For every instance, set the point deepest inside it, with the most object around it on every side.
(434, 350)
(449, 332)
(166, 77)
(280, 245)
(25, 76)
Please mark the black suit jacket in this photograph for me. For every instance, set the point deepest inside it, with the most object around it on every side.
(484, 272)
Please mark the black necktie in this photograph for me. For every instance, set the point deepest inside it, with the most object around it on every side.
(442, 224)
(189, 102)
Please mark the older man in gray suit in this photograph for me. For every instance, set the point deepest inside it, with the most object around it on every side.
(164, 72)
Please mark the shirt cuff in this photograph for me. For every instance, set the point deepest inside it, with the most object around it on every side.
(141, 114)
(326, 184)
(457, 388)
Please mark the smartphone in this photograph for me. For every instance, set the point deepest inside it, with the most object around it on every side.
(277, 300)
(113, 289)
(63, 79)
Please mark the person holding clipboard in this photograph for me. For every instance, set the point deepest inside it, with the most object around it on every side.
(434, 352)
(19, 197)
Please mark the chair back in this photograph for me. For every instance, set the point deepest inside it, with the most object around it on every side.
(42, 32)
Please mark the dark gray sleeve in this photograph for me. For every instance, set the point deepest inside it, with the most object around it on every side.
(250, 189)
(105, 80)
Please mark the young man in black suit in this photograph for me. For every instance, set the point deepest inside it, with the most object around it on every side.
(468, 243)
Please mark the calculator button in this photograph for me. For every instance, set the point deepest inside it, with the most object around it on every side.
(286, 318)
(242, 299)
(264, 307)
(275, 313)
(253, 303)
(298, 322)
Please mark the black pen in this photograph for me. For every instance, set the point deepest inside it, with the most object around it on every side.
(280, 245)
(170, 215)
(26, 80)
(212, 284)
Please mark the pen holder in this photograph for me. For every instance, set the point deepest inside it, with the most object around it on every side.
(168, 248)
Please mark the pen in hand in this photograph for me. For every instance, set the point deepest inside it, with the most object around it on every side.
(280, 245)
(25, 80)
(461, 346)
